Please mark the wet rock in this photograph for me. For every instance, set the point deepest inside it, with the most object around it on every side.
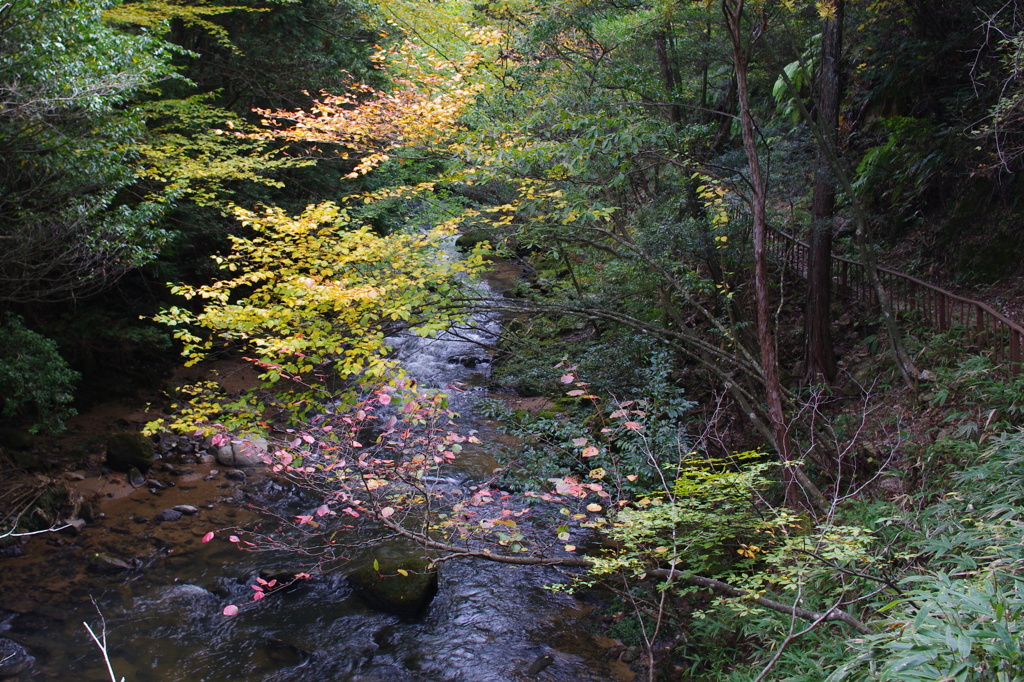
(74, 526)
(542, 661)
(235, 475)
(245, 451)
(186, 509)
(284, 654)
(74, 476)
(129, 449)
(11, 552)
(14, 658)
(206, 459)
(168, 515)
(182, 471)
(135, 478)
(140, 519)
(104, 563)
(387, 589)
(154, 484)
(468, 361)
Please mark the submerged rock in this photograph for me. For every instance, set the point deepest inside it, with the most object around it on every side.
(14, 658)
(404, 587)
(168, 515)
(129, 449)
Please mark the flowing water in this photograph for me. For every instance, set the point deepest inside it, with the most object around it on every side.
(488, 622)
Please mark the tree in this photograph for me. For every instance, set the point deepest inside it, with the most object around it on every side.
(68, 224)
(819, 353)
(313, 297)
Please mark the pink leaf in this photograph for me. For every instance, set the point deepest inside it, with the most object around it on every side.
(591, 452)
(579, 442)
(356, 444)
(233, 538)
(261, 581)
(351, 512)
(633, 426)
(208, 536)
(386, 512)
(304, 519)
(257, 596)
(577, 392)
(384, 399)
(308, 438)
(323, 510)
(409, 407)
(566, 378)
(230, 610)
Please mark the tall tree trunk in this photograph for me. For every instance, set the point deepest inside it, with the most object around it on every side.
(669, 74)
(798, 489)
(819, 353)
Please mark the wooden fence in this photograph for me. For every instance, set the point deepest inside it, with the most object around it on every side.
(940, 309)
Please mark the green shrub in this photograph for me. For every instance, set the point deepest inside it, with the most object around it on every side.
(35, 383)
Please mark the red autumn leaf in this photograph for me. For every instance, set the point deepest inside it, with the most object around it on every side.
(323, 510)
(208, 536)
(233, 538)
(230, 610)
(257, 596)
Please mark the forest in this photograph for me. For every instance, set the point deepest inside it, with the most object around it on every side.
(757, 373)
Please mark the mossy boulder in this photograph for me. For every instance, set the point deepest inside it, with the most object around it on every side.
(129, 449)
(404, 587)
(470, 239)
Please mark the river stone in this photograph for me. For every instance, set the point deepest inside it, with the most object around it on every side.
(245, 451)
(14, 658)
(168, 515)
(388, 590)
(129, 449)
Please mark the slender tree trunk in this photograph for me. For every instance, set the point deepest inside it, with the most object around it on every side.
(798, 488)
(765, 337)
(669, 75)
(819, 353)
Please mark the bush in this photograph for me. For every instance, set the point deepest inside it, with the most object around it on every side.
(35, 383)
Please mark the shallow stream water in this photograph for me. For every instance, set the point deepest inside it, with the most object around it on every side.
(488, 622)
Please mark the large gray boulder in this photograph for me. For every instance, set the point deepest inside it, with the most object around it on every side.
(248, 450)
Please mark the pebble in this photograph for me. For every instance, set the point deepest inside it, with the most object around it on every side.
(186, 509)
(168, 515)
(235, 475)
(140, 519)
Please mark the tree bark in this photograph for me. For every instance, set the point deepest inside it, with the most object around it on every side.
(733, 10)
(819, 352)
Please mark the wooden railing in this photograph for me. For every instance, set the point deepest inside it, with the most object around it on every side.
(940, 309)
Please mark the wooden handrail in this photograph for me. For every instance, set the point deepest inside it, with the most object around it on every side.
(941, 309)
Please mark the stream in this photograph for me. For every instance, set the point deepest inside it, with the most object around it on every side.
(488, 622)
